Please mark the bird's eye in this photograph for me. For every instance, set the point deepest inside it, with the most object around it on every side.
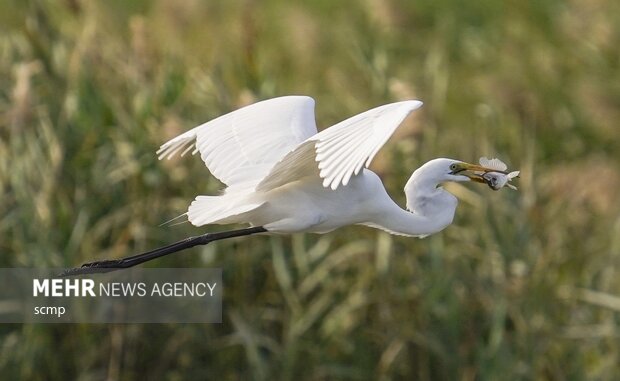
(453, 167)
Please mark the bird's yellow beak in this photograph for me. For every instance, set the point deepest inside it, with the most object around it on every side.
(473, 171)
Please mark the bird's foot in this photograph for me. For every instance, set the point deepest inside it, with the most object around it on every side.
(94, 267)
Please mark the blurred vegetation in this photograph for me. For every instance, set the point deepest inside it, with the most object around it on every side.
(525, 285)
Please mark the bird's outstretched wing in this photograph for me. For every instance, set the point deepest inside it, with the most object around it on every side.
(341, 150)
(240, 148)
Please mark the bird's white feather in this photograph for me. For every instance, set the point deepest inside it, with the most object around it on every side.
(217, 209)
(240, 148)
(295, 165)
(343, 149)
(380, 227)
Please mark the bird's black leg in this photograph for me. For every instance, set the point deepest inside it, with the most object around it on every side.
(123, 263)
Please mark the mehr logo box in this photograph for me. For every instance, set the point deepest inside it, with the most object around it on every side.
(140, 295)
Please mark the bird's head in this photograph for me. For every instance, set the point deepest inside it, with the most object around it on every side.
(426, 179)
(444, 170)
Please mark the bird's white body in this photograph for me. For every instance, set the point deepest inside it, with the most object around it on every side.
(285, 176)
(323, 209)
(363, 201)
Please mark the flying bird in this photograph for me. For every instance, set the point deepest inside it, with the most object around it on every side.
(282, 176)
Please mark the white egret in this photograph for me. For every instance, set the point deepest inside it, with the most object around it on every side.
(283, 176)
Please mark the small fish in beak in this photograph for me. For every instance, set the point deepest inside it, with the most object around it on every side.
(497, 181)
(497, 177)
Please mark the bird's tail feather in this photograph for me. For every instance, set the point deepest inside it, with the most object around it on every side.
(218, 210)
(169, 222)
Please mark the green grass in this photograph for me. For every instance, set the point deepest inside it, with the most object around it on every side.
(523, 286)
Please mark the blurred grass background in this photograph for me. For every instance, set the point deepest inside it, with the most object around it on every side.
(524, 286)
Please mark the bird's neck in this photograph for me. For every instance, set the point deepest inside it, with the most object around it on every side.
(429, 209)
(419, 190)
